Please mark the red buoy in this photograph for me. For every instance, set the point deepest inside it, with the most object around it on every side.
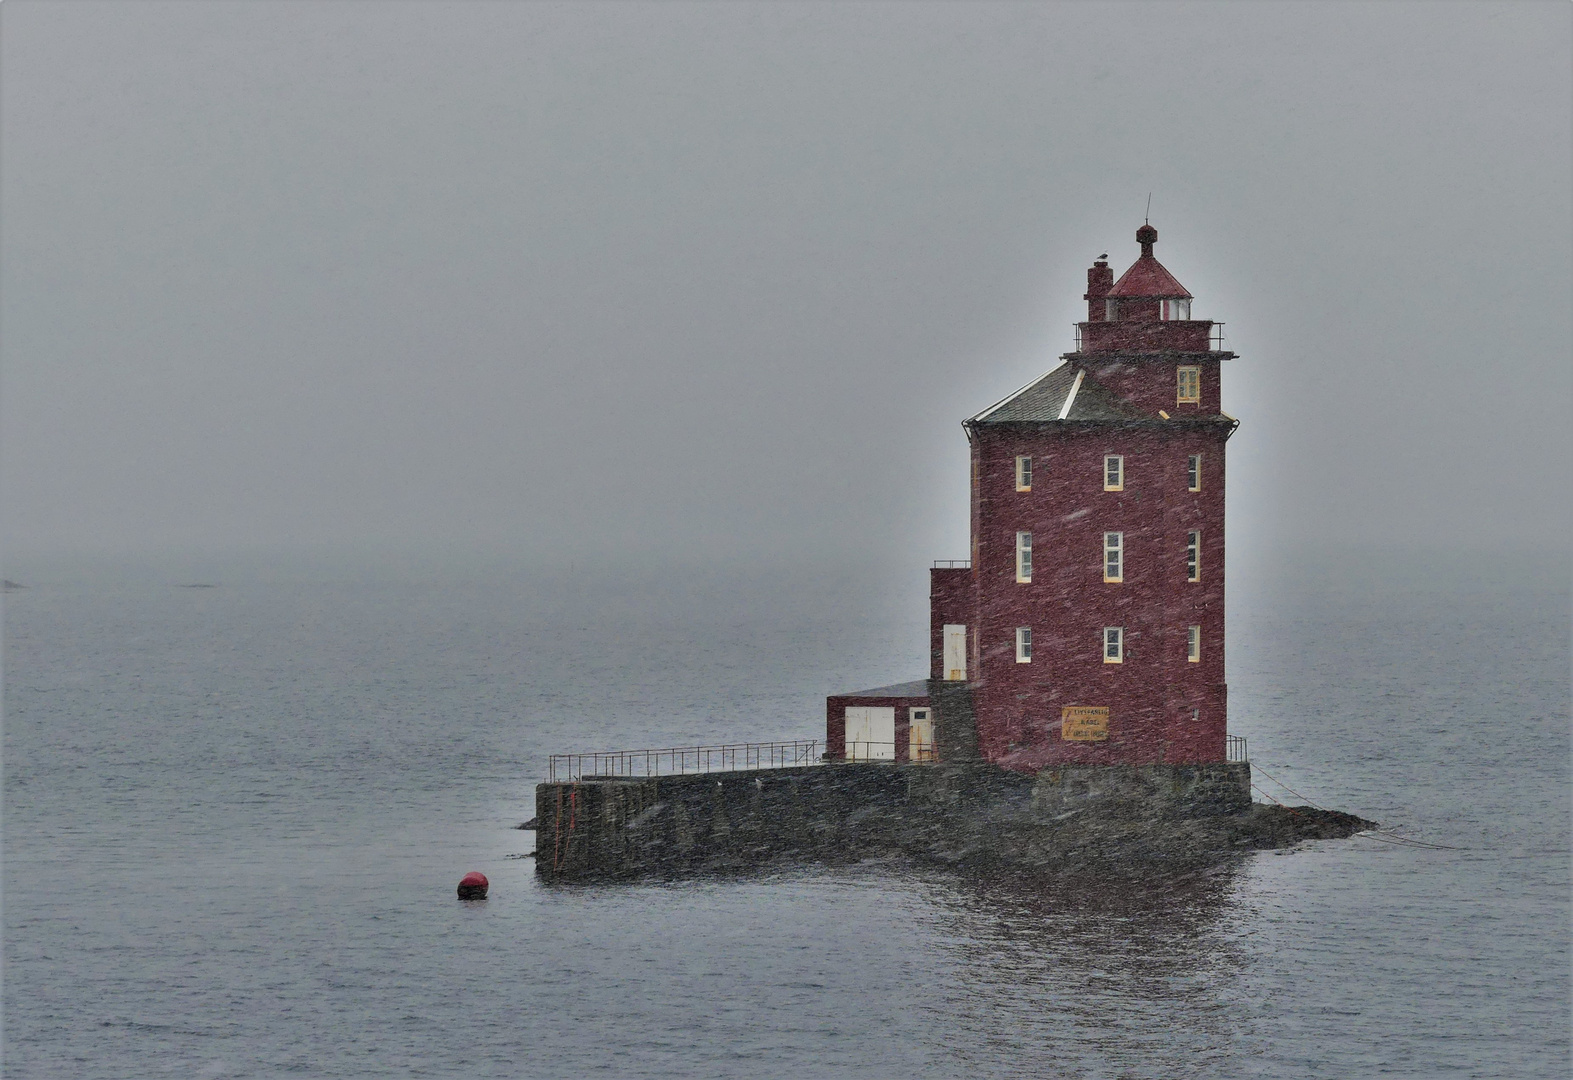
(473, 886)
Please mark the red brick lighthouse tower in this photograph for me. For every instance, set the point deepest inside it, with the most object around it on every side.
(1089, 627)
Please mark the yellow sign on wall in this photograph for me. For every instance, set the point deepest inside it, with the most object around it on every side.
(1084, 723)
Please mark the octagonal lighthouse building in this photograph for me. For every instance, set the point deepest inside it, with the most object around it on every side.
(1088, 626)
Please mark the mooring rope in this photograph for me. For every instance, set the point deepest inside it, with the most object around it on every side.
(1280, 802)
(1285, 786)
(1384, 835)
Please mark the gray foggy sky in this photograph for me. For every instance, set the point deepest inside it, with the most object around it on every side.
(650, 282)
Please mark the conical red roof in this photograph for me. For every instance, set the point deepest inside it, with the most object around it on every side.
(1147, 277)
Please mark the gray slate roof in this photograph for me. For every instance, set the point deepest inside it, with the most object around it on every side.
(917, 689)
(1044, 400)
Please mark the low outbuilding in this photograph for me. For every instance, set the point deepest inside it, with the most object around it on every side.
(886, 723)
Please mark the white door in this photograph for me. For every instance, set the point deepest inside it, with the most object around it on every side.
(955, 653)
(871, 733)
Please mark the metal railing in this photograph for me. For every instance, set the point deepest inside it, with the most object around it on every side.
(1215, 340)
(1235, 748)
(677, 760)
(953, 564)
(860, 750)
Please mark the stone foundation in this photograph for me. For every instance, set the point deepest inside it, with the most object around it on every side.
(948, 813)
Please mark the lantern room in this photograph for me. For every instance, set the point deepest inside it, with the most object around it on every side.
(1147, 309)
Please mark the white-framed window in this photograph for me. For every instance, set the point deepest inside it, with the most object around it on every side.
(1023, 473)
(1189, 385)
(1193, 473)
(1024, 557)
(1023, 644)
(1193, 556)
(1113, 556)
(1114, 644)
(1193, 644)
(1176, 309)
(1114, 472)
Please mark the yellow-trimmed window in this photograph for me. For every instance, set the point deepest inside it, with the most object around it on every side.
(1113, 556)
(1023, 473)
(1114, 644)
(1193, 644)
(1189, 384)
(1114, 472)
(1193, 556)
(1024, 557)
(1193, 473)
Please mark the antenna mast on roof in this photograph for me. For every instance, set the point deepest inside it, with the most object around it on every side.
(1147, 217)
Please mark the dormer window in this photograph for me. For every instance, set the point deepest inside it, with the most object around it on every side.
(1175, 309)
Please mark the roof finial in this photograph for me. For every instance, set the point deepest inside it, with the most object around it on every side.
(1147, 217)
(1146, 236)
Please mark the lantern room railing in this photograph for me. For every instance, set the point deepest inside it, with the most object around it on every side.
(1235, 748)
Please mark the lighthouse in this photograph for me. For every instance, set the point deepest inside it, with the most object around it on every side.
(1088, 625)
(1075, 709)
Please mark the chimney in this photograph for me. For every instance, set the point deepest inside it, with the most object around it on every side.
(1100, 279)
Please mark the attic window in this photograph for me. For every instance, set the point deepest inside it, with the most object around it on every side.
(1175, 309)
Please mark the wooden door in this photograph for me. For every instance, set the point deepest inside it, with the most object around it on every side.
(920, 735)
(955, 656)
(871, 733)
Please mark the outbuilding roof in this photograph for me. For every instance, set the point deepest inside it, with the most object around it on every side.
(918, 688)
(1066, 393)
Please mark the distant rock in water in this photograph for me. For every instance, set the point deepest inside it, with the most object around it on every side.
(9, 585)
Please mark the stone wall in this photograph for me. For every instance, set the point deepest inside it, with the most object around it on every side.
(604, 827)
(955, 726)
(705, 820)
(1145, 791)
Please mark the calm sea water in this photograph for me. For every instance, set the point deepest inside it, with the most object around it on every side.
(235, 816)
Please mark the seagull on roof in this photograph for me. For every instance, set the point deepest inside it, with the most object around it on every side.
(1105, 255)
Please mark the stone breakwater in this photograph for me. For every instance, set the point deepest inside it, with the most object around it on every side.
(965, 815)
